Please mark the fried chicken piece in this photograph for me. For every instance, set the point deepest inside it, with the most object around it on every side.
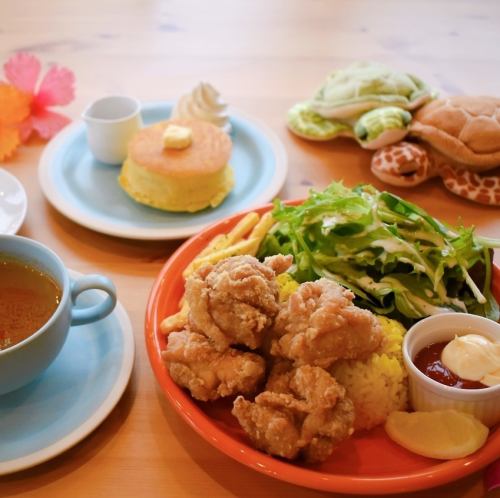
(271, 430)
(307, 415)
(194, 363)
(236, 300)
(279, 263)
(319, 325)
(335, 429)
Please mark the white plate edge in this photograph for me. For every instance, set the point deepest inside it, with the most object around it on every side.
(114, 396)
(66, 208)
(18, 183)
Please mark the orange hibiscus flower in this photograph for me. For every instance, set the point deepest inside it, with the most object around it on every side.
(14, 109)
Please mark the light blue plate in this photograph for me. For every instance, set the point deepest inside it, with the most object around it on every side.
(87, 191)
(72, 397)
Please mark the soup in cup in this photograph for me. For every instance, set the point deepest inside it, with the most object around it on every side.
(37, 308)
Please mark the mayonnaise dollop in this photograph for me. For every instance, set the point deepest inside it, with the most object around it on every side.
(473, 357)
(204, 103)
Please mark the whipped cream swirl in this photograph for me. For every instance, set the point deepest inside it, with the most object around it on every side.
(203, 103)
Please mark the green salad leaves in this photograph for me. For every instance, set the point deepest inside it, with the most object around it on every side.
(397, 259)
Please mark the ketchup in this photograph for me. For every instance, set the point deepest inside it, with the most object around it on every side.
(428, 361)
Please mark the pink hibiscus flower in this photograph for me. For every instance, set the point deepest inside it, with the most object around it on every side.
(57, 88)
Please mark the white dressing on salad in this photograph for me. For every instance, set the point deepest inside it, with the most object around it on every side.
(389, 245)
(427, 308)
(418, 304)
(368, 283)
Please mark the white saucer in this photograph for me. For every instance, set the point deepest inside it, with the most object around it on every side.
(73, 396)
(13, 203)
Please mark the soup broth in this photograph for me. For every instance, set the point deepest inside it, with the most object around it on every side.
(28, 298)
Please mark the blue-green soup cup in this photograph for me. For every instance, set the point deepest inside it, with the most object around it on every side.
(26, 360)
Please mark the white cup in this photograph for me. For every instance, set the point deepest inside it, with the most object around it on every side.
(427, 394)
(111, 123)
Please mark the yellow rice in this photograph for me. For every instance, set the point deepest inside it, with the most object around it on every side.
(287, 286)
(378, 385)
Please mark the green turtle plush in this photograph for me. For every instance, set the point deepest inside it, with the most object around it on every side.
(366, 101)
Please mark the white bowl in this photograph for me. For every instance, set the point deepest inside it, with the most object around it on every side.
(427, 394)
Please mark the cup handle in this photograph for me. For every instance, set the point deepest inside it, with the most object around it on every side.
(99, 310)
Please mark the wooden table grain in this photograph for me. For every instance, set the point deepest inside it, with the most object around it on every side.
(263, 56)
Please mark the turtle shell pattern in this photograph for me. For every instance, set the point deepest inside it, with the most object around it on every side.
(362, 86)
(464, 128)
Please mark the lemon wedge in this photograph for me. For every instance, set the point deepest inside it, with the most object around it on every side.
(443, 434)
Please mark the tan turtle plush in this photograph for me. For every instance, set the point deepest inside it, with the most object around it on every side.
(457, 138)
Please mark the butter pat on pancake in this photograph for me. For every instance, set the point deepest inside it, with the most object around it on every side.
(177, 137)
(188, 179)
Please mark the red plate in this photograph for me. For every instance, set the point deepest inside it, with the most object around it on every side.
(367, 463)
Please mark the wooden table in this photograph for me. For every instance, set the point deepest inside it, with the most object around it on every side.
(263, 56)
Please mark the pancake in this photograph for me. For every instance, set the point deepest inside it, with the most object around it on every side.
(188, 179)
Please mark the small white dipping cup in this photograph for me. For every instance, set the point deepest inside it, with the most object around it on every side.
(429, 395)
(111, 123)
